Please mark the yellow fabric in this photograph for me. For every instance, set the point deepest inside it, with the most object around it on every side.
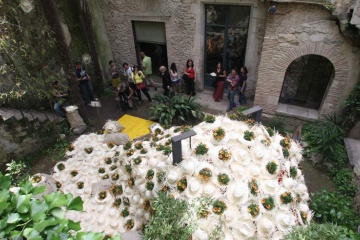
(135, 127)
(138, 79)
(115, 82)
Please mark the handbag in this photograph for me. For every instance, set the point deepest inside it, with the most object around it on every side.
(140, 86)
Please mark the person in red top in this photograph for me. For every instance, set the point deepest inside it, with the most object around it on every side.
(191, 75)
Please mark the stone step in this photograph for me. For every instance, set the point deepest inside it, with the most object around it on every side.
(31, 115)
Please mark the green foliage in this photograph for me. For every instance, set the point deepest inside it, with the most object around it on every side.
(334, 207)
(343, 181)
(351, 110)
(22, 216)
(174, 109)
(16, 171)
(325, 231)
(166, 225)
(30, 69)
(324, 135)
(278, 123)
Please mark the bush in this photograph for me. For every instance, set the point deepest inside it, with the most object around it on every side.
(324, 137)
(278, 123)
(343, 181)
(166, 225)
(22, 216)
(351, 110)
(326, 231)
(174, 109)
(335, 208)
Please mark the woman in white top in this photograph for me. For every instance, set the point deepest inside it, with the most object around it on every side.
(175, 79)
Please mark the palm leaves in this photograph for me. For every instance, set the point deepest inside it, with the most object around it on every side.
(174, 109)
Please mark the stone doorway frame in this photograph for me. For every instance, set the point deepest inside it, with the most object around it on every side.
(272, 71)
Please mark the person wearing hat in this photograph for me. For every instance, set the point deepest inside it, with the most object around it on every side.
(139, 79)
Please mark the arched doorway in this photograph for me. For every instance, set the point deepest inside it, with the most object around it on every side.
(306, 80)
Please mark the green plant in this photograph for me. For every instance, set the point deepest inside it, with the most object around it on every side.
(286, 198)
(323, 136)
(268, 203)
(201, 149)
(248, 136)
(253, 209)
(343, 181)
(351, 110)
(334, 207)
(271, 167)
(277, 123)
(22, 216)
(209, 118)
(325, 231)
(219, 207)
(166, 225)
(223, 178)
(174, 109)
(16, 170)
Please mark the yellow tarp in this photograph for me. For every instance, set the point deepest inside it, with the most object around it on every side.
(135, 127)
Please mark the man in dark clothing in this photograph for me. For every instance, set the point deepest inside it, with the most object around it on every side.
(166, 80)
(86, 90)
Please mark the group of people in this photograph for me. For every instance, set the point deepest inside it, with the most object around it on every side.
(236, 85)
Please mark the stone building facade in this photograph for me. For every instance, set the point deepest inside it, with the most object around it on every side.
(269, 44)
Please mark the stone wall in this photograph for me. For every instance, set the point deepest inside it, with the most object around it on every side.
(185, 30)
(296, 30)
(21, 137)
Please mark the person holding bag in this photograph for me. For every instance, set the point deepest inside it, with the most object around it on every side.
(139, 80)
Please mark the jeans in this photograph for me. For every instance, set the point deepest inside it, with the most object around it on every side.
(58, 110)
(87, 92)
(231, 97)
(242, 98)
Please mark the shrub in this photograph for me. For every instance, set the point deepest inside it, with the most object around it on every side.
(25, 217)
(351, 110)
(343, 181)
(335, 208)
(278, 123)
(324, 136)
(326, 231)
(174, 110)
(166, 225)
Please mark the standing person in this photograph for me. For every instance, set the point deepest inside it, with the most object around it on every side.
(86, 90)
(147, 69)
(127, 75)
(139, 79)
(114, 74)
(175, 79)
(191, 75)
(233, 80)
(166, 80)
(242, 85)
(220, 80)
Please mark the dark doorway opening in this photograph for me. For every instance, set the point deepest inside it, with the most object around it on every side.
(226, 31)
(306, 80)
(150, 38)
(157, 53)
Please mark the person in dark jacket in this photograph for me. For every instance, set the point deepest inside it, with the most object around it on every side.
(166, 80)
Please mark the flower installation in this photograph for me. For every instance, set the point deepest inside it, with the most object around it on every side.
(224, 154)
(201, 149)
(205, 174)
(36, 179)
(88, 150)
(268, 203)
(253, 209)
(219, 133)
(219, 207)
(223, 178)
(241, 191)
(60, 166)
(271, 167)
